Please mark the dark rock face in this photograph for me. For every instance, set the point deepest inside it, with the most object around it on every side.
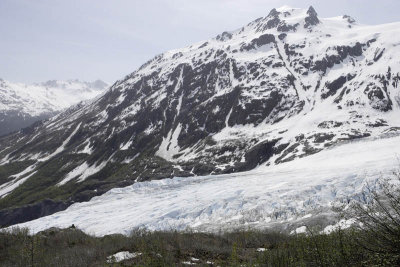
(378, 123)
(349, 19)
(378, 54)
(12, 121)
(224, 36)
(330, 124)
(30, 212)
(273, 13)
(343, 52)
(258, 42)
(312, 18)
(284, 27)
(335, 85)
(273, 20)
(378, 96)
(261, 153)
(264, 39)
(282, 36)
(322, 137)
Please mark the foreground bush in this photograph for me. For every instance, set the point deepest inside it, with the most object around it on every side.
(72, 247)
(379, 221)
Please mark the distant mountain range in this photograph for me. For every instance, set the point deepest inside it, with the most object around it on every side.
(279, 89)
(23, 104)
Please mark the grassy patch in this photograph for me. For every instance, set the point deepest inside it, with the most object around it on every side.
(12, 168)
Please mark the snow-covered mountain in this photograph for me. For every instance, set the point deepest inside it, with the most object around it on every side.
(23, 104)
(279, 89)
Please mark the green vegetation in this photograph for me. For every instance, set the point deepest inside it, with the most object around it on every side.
(72, 247)
(43, 184)
(9, 169)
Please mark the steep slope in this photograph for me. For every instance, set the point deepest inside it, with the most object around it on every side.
(282, 87)
(22, 104)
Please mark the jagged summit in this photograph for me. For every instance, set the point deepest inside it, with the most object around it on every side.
(311, 12)
(312, 18)
(273, 13)
(349, 19)
(286, 19)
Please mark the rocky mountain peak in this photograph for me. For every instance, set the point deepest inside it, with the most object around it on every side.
(349, 19)
(312, 18)
(273, 13)
(287, 19)
(272, 20)
(311, 12)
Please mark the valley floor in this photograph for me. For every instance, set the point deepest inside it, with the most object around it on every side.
(290, 194)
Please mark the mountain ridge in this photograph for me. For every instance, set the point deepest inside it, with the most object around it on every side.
(23, 104)
(283, 87)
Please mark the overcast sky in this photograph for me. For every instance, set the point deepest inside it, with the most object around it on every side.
(107, 39)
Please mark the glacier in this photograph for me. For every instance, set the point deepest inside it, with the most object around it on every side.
(258, 198)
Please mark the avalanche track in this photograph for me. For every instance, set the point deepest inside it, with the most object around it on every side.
(266, 195)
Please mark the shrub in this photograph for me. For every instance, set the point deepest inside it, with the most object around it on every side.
(379, 221)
